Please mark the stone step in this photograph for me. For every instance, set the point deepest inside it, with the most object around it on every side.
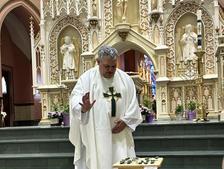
(179, 128)
(210, 136)
(173, 143)
(183, 146)
(35, 132)
(179, 153)
(37, 161)
(188, 162)
(36, 146)
(188, 159)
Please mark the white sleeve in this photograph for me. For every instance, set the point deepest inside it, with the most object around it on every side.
(132, 116)
(75, 100)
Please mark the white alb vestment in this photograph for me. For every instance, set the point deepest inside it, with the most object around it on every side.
(91, 132)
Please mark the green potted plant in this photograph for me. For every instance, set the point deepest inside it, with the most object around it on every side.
(179, 111)
(146, 112)
(191, 113)
(55, 115)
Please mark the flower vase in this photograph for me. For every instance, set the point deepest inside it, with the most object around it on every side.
(149, 118)
(179, 116)
(66, 119)
(191, 115)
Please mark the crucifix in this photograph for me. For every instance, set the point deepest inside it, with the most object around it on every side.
(112, 94)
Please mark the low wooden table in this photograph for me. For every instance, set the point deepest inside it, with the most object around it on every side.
(139, 163)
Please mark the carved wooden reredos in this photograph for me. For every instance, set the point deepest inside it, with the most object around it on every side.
(208, 38)
(59, 26)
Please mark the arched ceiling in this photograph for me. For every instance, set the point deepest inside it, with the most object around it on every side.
(18, 25)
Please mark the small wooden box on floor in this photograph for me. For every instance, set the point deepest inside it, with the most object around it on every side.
(139, 163)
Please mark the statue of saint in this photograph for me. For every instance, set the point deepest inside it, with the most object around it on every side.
(189, 41)
(68, 50)
(122, 9)
(173, 105)
(94, 8)
(210, 105)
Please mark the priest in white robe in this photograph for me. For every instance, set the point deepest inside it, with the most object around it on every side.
(104, 113)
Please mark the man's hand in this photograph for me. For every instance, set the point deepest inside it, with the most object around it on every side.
(86, 105)
(120, 125)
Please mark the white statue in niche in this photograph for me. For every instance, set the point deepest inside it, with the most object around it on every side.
(173, 105)
(179, 102)
(68, 51)
(210, 105)
(189, 41)
(175, 94)
(206, 91)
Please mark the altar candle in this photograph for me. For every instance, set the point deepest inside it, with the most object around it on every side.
(199, 13)
(199, 28)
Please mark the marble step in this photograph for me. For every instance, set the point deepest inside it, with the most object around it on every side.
(188, 159)
(183, 162)
(35, 132)
(182, 154)
(154, 129)
(180, 128)
(142, 143)
(37, 161)
(36, 146)
(184, 146)
(208, 136)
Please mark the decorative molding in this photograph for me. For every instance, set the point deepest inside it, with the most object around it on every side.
(93, 22)
(180, 10)
(123, 30)
(144, 18)
(56, 8)
(108, 16)
(53, 59)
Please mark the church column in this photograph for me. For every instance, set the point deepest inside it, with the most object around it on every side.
(52, 8)
(43, 65)
(161, 83)
(216, 21)
(93, 26)
(89, 8)
(220, 62)
(161, 31)
(33, 55)
(149, 7)
(42, 43)
(216, 14)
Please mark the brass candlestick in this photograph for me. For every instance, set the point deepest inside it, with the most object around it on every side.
(201, 113)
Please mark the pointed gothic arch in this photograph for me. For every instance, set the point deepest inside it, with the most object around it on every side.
(133, 41)
(16, 45)
(53, 37)
(190, 7)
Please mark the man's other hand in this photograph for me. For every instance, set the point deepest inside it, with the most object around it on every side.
(120, 125)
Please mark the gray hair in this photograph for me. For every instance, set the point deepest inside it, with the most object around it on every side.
(107, 51)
